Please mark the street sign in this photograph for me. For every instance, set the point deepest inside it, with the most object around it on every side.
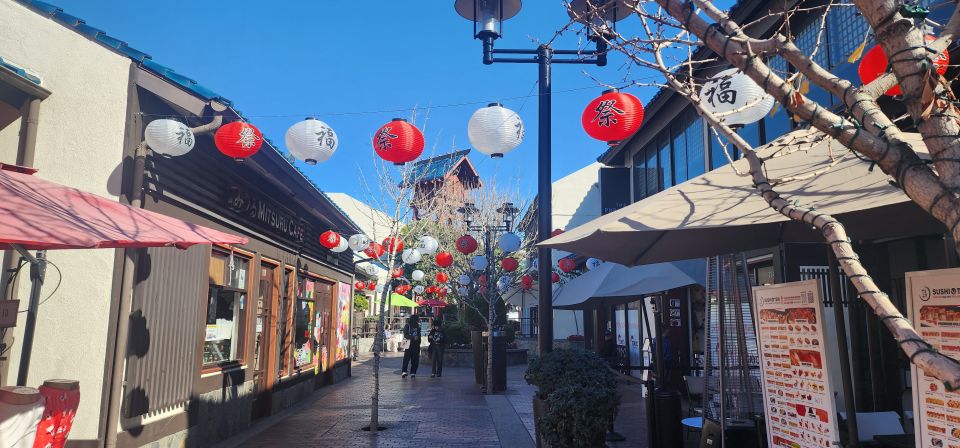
(8, 313)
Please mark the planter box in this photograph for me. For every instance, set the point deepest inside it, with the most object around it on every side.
(463, 357)
(539, 410)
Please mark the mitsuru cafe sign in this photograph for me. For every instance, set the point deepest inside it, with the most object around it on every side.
(266, 212)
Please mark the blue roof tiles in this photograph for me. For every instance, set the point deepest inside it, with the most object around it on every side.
(437, 167)
(123, 48)
(19, 71)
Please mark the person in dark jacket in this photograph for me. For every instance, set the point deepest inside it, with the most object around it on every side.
(438, 340)
(411, 332)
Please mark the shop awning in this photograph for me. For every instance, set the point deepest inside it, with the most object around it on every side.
(720, 211)
(401, 300)
(612, 283)
(517, 296)
(37, 214)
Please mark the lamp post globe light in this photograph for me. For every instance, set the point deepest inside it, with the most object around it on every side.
(488, 17)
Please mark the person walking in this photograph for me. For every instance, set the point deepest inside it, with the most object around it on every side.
(411, 332)
(438, 340)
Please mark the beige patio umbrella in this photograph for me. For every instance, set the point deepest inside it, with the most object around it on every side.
(720, 212)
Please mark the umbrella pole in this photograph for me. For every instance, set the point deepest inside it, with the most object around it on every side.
(38, 268)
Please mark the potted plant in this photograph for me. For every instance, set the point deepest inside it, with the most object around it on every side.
(576, 400)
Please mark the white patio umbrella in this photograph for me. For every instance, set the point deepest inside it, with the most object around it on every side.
(614, 284)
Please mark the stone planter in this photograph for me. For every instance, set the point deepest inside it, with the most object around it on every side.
(539, 410)
(464, 357)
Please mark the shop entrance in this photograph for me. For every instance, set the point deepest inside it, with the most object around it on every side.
(264, 346)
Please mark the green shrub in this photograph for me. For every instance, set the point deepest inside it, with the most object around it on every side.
(580, 394)
(564, 367)
(456, 333)
(579, 416)
(360, 303)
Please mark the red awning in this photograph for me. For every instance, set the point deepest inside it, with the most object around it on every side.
(38, 214)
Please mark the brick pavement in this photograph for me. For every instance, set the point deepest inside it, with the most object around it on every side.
(423, 412)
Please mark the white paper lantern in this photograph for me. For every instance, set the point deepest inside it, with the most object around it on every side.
(428, 245)
(462, 291)
(463, 280)
(410, 256)
(478, 263)
(312, 141)
(509, 242)
(169, 137)
(495, 130)
(358, 242)
(417, 275)
(419, 289)
(593, 263)
(341, 246)
(731, 90)
(370, 269)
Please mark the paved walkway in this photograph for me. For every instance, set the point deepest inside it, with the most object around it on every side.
(421, 412)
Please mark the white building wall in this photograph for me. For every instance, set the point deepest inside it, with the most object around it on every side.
(373, 223)
(576, 200)
(79, 143)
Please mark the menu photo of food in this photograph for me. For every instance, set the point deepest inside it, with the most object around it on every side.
(933, 315)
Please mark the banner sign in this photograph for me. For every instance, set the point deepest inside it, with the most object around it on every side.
(934, 310)
(797, 394)
(342, 322)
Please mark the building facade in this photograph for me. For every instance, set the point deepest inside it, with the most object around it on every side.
(217, 337)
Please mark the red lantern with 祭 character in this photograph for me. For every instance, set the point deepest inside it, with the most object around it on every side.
(875, 63)
(554, 277)
(509, 264)
(444, 259)
(372, 286)
(238, 140)
(330, 239)
(526, 282)
(442, 277)
(375, 250)
(466, 244)
(613, 116)
(566, 264)
(359, 286)
(393, 245)
(398, 142)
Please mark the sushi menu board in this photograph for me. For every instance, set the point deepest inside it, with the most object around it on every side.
(797, 396)
(935, 313)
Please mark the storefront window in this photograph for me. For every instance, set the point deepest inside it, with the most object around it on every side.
(305, 345)
(226, 309)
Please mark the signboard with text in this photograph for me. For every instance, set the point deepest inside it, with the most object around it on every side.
(797, 394)
(934, 310)
(614, 189)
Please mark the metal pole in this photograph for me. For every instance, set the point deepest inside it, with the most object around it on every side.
(720, 351)
(847, 382)
(544, 202)
(37, 271)
(491, 311)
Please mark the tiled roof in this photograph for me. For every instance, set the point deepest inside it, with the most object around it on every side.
(19, 71)
(141, 58)
(437, 167)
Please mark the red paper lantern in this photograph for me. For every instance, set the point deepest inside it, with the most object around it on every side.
(372, 286)
(554, 277)
(556, 232)
(442, 277)
(238, 140)
(393, 245)
(444, 259)
(566, 264)
(375, 250)
(442, 292)
(875, 63)
(358, 286)
(526, 281)
(397, 273)
(482, 280)
(430, 289)
(330, 239)
(613, 116)
(398, 142)
(466, 244)
(398, 289)
(509, 264)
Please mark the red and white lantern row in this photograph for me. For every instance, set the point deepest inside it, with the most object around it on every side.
(398, 142)
(613, 116)
(238, 140)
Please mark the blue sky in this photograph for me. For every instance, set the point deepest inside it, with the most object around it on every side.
(356, 65)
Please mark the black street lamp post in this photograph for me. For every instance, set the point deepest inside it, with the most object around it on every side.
(487, 17)
(509, 212)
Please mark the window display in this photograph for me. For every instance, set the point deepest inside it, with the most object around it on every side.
(226, 309)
